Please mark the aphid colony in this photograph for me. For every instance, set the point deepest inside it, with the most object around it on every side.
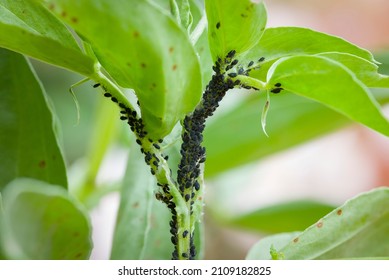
(192, 152)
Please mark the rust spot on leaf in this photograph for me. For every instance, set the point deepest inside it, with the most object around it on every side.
(319, 224)
(42, 164)
(339, 212)
(51, 6)
(78, 256)
(296, 240)
(135, 205)
(64, 14)
(171, 50)
(174, 68)
(136, 34)
(74, 19)
(143, 65)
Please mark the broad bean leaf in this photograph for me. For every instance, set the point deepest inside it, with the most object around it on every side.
(364, 70)
(279, 42)
(234, 25)
(331, 84)
(29, 28)
(142, 48)
(41, 221)
(357, 229)
(283, 217)
(142, 226)
(291, 120)
(28, 143)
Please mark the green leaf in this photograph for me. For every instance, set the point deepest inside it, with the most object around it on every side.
(28, 144)
(181, 10)
(332, 84)
(266, 248)
(142, 226)
(29, 28)
(234, 25)
(283, 217)
(41, 221)
(289, 41)
(357, 229)
(291, 120)
(364, 70)
(149, 53)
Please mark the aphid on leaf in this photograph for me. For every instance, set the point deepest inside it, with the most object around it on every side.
(123, 118)
(250, 63)
(277, 85)
(261, 59)
(185, 233)
(107, 94)
(231, 54)
(232, 75)
(156, 146)
(96, 85)
(218, 25)
(114, 99)
(276, 90)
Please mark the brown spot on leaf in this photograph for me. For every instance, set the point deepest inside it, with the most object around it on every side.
(136, 34)
(339, 212)
(171, 50)
(128, 64)
(64, 14)
(319, 224)
(78, 255)
(296, 240)
(135, 205)
(76, 234)
(42, 164)
(143, 65)
(51, 6)
(174, 68)
(74, 19)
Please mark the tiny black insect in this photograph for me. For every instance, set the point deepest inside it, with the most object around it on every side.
(121, 105)
(96, 85)
(250, 63)
(218, 25)
(197, 186)
(232, 75)
(276, 90)
(277, 84)
(160, 140)
(184, 255)
(123, 118)
(261, 59)
(114, 99)
(187, 197)
(156, 146)
(185, 233)
(231, 54)
(174, 240)
(139, 142)
(107, 94)
(152, 171)
(166, 157)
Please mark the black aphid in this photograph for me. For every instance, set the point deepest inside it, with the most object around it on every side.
(96, 85)
(184, 255)
(114, 99)
(250, 63)
(277, 85)
(123, 118)
(231, 54)
(185, 233)
(232, 75)
(276, 90)
(107, 94)
(139, 142)
(187, 197)
(156, 146)
(152, 171)
(218, 25)
(261, 59)
(160, 140)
